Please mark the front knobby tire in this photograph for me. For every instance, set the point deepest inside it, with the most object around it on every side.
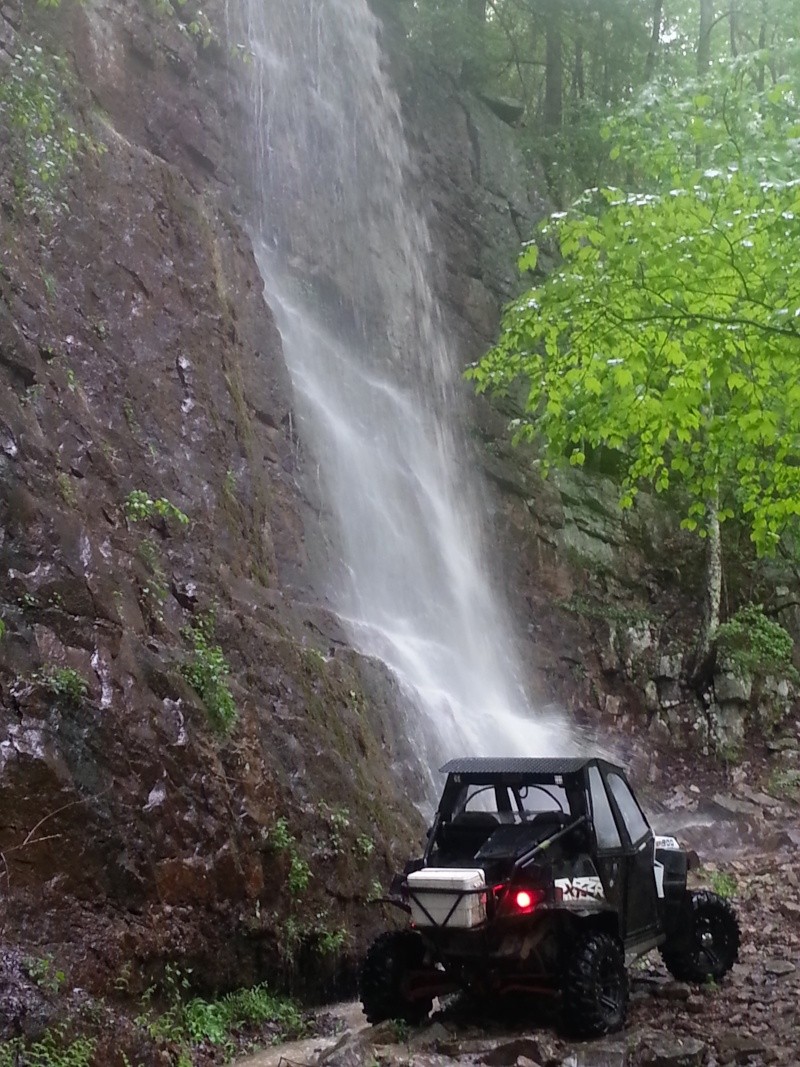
(709, 946)
(595, 989)
(383, 984)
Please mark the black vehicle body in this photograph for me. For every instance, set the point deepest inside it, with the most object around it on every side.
(543, 876)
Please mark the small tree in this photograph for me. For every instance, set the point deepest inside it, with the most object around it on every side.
(670, 332)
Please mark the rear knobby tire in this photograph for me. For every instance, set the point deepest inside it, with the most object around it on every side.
(708, 945)
(383, 984)
(595, 990)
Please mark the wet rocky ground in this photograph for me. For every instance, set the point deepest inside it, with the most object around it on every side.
(747, 842)
(752, 1018)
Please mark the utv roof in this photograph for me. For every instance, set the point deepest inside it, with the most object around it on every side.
(475, 765)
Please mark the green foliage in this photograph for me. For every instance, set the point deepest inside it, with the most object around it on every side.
(330, 942)
(195, 25)
(193, 1021)
(572, 63)
(2, 629)
(64, 684)
(606, 611)
(42, 138)
(669, 332)
(295, 932)
(207, 672)
(43, 973)
(66, 489)
(280, 837)
(402, 1031)
(155, 590)
(283, 840)
(338, 823)
(54, 1049)
(364, 846)
(375, 891)
(140, 507)
(299, 875)
(724, 885)
(757, 645)
(785, 783)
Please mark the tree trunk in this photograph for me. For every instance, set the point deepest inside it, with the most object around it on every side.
(554, 71)
(704, 37)
(579, 79)
(655, 40)
(733, 19)
(762, 44)
(713, 597)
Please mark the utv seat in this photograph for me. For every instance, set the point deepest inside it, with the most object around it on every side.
(512, 841)
(549, 822)
(467, 832)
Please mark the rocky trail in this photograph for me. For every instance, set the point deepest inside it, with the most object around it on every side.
(751, 1019)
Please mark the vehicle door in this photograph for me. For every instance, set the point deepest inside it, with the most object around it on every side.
(641, 895)
(610, 853)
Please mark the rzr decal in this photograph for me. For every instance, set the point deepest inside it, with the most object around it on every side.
(589, 888)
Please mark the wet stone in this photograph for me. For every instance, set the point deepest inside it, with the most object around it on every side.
(738, 1048)
(683, 1052)
(532, 1048)
(779, 967)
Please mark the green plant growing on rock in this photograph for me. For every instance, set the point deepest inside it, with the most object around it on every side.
(40, 131)
(754, 644)
(66, 489)
(64, 684)
(42, 971)
(197, 25)
(141, 507)
(364, 846)
(785, 783)
(330, 942)
(191, 1022)
(154, 590)
(54, 1049)
(723, 884)
(207, 672)
(282, 839)
(338, 824)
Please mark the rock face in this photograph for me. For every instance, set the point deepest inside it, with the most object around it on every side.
(138, 356)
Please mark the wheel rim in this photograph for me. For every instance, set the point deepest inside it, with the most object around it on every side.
(610, 988)
(714, 943)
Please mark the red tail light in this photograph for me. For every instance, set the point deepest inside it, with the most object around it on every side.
(522, 901)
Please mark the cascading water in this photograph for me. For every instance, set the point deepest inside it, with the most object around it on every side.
(345, 254)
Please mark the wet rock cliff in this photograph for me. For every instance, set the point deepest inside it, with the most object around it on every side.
(152, 531)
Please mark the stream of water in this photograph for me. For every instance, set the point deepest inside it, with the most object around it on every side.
(345, 253)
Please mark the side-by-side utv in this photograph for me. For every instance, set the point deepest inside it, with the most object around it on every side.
(543, 876)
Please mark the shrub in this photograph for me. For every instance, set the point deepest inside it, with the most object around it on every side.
(140, 507)
(207, 672)
(64, 684)
(754, 644)
(42, 139)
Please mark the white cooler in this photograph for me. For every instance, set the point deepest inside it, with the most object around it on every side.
(470, 909)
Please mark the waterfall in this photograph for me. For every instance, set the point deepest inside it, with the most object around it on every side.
(345, 252)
